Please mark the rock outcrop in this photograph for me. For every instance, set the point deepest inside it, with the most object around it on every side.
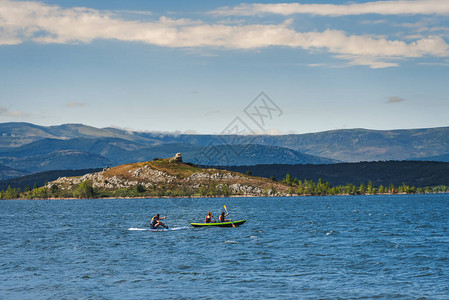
(166, 177)
(176, 158)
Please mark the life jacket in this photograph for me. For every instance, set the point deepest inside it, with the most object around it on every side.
(221, 218)
(207, 219)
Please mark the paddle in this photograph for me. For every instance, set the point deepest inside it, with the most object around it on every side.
(166, 227)
(228, 214)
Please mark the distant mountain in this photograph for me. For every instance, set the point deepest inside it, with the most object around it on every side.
(253, 154)
(18, 134)
(350, 145)
(442, 157)
(57, 160)
(414, 173)
(58, 154)
(7, 172)
(353, 145)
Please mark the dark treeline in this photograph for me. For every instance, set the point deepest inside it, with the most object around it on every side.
(309, 187)
(414, 173)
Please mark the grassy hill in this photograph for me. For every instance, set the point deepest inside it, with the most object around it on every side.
(163, 177)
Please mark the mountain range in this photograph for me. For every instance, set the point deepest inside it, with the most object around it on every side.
(27, 148)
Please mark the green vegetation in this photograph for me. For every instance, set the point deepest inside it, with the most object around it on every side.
(309, 187)
(165, 178)
(85, 190)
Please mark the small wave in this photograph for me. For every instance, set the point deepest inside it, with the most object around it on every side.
(332, 232)
(231, 242)
(136, 229)
(120, 281)
(425, 275)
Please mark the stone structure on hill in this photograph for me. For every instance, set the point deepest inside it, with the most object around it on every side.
(176, 158)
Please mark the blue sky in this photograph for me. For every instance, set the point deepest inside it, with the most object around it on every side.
(194, 66)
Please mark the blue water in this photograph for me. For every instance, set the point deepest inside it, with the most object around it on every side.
(387, 247)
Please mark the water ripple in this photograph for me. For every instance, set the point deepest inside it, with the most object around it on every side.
(386, 247)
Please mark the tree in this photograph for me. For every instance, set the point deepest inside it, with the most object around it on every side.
(40, 193)
(370, 188)
(84, 190)
(226, 190)
(54, 189)
(288, 179)
(249, 173)
(213, 191)
(362, 189)
(140, 188)
(273, 190)
(391, 189)
(202, 191)
(11, 193)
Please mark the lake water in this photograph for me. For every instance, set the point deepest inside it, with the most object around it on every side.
(387, 247)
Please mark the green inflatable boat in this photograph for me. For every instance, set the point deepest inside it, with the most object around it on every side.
(222, 224)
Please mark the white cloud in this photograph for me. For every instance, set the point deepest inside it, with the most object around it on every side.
(371, 61)
(212, 112)
(75, 104)
(10, 113)
(444, 63)
(375, 22)
(42, 23)
(394, 99)
(400, 7)
(414, 37)
(273, 131)
(190, 131)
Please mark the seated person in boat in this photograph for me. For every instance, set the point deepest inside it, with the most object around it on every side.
(208, 218)
(156, 223)
(221, 218)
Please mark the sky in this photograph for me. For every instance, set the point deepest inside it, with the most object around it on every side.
(274, 67)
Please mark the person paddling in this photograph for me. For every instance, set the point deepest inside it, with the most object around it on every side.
(208, 218)
(156, 223)
(222, 218)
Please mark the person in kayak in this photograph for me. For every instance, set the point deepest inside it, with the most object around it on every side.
(208, 218)
(222, 218)
(156, 223)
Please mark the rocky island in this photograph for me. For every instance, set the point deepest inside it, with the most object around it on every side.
(163, 178)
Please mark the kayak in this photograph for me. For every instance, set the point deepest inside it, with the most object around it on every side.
(222, 224)
(159, 229)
